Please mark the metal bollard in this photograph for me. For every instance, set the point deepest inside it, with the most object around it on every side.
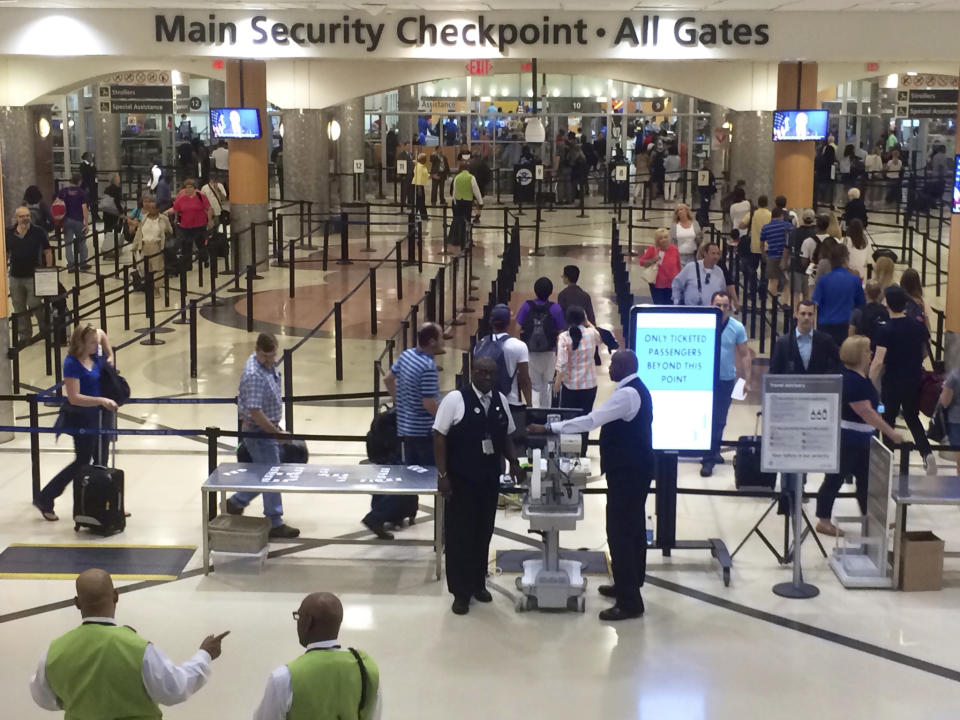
(373, 301)
(344, 241)
(398, 256)
(250, 276)
(338, 338)
(151, 321)
(288, 389)
(193, 338)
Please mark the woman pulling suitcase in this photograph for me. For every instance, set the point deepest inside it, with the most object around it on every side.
(86, 407)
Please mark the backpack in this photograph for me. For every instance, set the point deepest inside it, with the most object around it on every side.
(539, 331)
(383, 445)
(493, 348)
(58, 210)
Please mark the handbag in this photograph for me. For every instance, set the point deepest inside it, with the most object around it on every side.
(108, 204)
(112, 383)
(931, 385)
(937, 430)
(649, 274)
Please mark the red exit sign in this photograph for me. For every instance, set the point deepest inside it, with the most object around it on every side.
(479, 67)
(873, 67)
(526, 67)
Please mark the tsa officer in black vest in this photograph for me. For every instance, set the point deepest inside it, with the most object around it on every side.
(626, 458)
(470, 440)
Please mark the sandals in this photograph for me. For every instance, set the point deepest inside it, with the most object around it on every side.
(48, 515)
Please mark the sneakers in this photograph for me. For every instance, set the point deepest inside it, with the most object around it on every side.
(234, 508)
(284, 532)
(930, 462)
(378, 531)
(48, 515)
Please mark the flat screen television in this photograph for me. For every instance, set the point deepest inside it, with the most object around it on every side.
(956, 185)
(800, 125)
(235, 123)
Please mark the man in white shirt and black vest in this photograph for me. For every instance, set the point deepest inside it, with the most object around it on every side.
(471, 437)
(626, 458)
(101, 670)
(326, 681)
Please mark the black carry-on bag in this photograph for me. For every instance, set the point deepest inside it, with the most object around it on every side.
(746, 464)
(98, 494)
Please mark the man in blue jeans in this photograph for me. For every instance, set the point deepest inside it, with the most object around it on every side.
(734, 362)
(75, 221)
(260, 404)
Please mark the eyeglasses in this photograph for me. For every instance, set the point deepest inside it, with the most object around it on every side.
(296, 615)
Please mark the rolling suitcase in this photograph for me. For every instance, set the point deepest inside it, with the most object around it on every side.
(98, 497)
(746, 463)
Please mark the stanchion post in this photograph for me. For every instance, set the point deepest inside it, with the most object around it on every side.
(213, 435)
(441, 295)
(797, 588)
(536, 233)
(373, 300)
(367, 247)
(288, 389)
(213, 281)
(253, 250)
(420, 246)
(193, 338)
(151, 321)
(443, 227)
(325, 253)
(414, 325)
(344, 241)
(101, 290)
(182, 320)
(399, 259)
(250, 276)
(126, 297)
(338, 338)
(34, 446)
(96, 248)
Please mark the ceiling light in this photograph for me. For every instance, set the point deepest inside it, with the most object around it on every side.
(333, 130)
(529, 93)
(556, 92)
(912, 74)
(660, 93)
(43, 127)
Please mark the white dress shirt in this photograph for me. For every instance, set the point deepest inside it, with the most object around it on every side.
(165, 683)
(452, 407)
(623, 404)
(278, 697)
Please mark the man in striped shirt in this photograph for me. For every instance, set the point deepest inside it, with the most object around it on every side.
(774, 237)
(414, 384)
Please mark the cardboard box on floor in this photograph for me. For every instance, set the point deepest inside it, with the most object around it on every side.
(922, 559)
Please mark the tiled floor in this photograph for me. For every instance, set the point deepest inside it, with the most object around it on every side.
(701, 651)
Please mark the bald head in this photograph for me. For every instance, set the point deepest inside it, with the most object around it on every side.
(622, 364)
(95, 594)
(320, 616)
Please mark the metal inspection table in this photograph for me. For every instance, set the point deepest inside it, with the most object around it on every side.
(919, 490)
(331, 480)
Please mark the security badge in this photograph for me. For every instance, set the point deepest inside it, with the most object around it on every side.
(487, 445)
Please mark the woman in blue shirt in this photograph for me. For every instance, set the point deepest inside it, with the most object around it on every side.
(858, 420)
(85, 408)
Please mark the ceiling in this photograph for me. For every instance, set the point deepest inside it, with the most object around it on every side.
(669, 6)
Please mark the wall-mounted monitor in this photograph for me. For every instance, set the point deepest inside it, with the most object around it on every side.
(956, 185)
(678, 353)
(235, 123)
(800, 125)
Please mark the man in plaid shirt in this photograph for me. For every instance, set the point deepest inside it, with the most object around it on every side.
(260, 404)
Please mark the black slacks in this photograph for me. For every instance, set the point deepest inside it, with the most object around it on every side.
(627, 534)
(901, 396)
(855, 461)
(470, 515)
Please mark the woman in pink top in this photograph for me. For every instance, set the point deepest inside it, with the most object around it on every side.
(576, 381)
(193, 212)
(665, 256)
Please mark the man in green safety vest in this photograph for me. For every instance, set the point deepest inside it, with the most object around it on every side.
(465, 192)
(327, 682)
(102, 671)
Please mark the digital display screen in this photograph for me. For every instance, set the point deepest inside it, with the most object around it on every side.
(678, 351)
(800, 125)
(235, 123)
(956, 185)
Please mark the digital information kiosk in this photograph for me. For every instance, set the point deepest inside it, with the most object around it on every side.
(678, 354)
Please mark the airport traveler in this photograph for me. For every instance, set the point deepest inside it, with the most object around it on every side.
(696, 283)
(837, 294)
(902, 345)
(576, 380)
(855, 208)
(662, 261)
(868, 320)
(826, 240)
(153, 229)
(216, 194)
(883, 269)
(471, 440)
(465, 193)
(439, 172)
(780, 201)
(824, 168)
(420, 177)
(950, 402)
(858, 421)
(414, 384)
(892, 171)
(75, 221)
(803, 244)
(193, 213)
(761, 216)
(735, 362)
(260, 405)
(774, 238)
(805, 350)
(626, 458)
(201, 163)
(917, 307)
(85, 408)
(39, 208)
(88, 181)
(513, 362)
(27, 249)
(163, 193)
(573, 294)
(671, 174)
(107, 671)
(541, 321)
(156, 172)
(221, 157)
(405, 178)
(112, 206)
(736, 208)
(685, 233)
(326, 681)
(860, 249)
(873, 167)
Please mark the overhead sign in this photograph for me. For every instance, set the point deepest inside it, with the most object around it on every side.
(479, 67)
(926, 103)
(801, 423)
(163, 107)
(141, 92)
(678, 352)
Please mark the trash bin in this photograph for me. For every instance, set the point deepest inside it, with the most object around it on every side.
(921, 561)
